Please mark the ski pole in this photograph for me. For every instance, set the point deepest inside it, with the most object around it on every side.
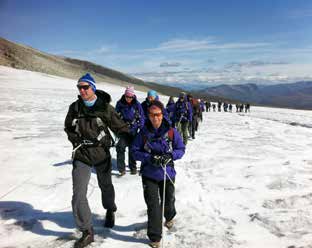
(74, 150)
(163, 207)
(165, 171)
(164, 166)
(112, 136)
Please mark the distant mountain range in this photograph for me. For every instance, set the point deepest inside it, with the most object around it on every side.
(293, 95)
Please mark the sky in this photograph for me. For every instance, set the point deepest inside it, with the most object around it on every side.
(188, 42)
(244, 182)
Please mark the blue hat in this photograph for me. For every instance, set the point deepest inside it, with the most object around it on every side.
(88, 79)
(152, 93)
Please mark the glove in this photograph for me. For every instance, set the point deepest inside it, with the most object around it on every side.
(160, 160)
(133, 132)
(76, 141)
(166, 158)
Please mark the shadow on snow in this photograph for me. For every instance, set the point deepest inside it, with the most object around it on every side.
(30, 219)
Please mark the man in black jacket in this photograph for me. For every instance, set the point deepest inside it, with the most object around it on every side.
(87, 126)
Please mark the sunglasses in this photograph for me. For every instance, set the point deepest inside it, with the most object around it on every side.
(153, 115)
(84, 87)
(130, 97)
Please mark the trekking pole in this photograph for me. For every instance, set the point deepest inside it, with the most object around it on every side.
(84, 142)
(179, 124)
(74, 150)
(114, 140)
(164, 166)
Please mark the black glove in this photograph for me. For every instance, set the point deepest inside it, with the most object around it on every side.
(166, 158)
(161, 160)
(76, 141)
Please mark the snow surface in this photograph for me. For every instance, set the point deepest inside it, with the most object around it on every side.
(245, 181)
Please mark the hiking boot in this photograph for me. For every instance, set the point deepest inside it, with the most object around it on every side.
(133, 171)
(109, 219)
(154, 244)
(169, 224)
(122, 173)
(86, 239)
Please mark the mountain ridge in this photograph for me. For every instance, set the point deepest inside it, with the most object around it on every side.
(293, 95)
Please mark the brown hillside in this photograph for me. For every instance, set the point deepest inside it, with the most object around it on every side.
(27, 58)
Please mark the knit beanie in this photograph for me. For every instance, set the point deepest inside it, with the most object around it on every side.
(129, 91)
(152, 93)
(88, 79)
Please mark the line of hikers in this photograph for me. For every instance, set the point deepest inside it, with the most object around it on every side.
(154, 134)
(227, 107)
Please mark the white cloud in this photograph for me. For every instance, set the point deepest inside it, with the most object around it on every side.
(170, 64)
(104, 49)
(262, 73)
(182, 45)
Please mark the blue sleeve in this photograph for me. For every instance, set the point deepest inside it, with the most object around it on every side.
(178, 146)
(137, 148)
(175, 113)
(190, 112)
(117, 108)
(142, 116)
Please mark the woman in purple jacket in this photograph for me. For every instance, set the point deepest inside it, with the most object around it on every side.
(130, 110)
(155, 145)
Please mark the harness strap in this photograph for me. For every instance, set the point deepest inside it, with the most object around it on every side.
(168, 137)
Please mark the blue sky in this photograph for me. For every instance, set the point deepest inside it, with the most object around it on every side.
(189, 42)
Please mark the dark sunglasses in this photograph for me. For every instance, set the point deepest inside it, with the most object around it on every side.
(85, 87)
(130, 97)
(155, 114)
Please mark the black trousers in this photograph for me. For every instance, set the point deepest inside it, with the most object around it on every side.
(121, 149)
(153, 194)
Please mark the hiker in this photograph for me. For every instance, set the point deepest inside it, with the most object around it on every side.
(214, 107)
(202, 109)
(87, 126)
(237, 107)
(191, 122)
(170, 108)
(241, 107)
(151, 96)
(195, 115)
(230, 107)
(157, 145)
(131, 112)
(208, 106)
(225, 106)
(219, 106)
(247, 107)
(183, 116)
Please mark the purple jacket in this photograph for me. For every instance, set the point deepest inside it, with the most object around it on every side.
(151, 141)
(170, 110)
(131, 114)
(183, 111)
(202, 106)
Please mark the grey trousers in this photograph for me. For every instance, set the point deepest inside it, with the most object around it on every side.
(81, 174)
(183, 130)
